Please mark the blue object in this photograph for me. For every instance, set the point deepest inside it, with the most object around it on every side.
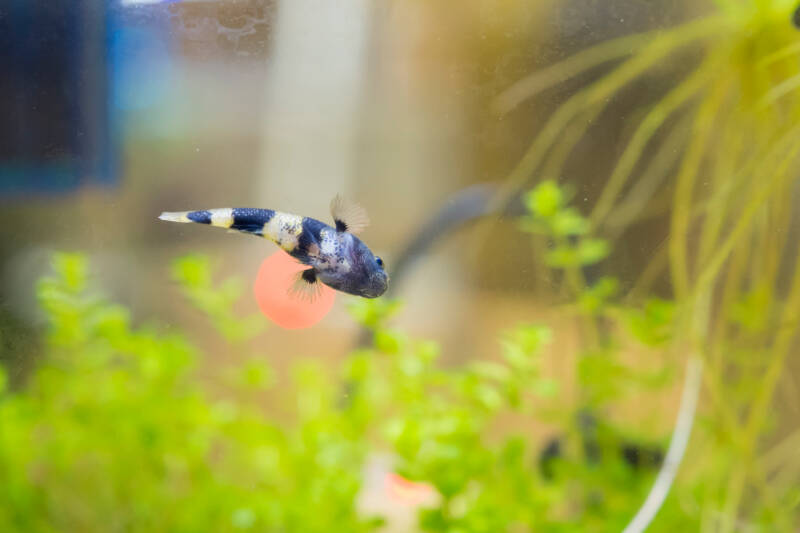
(57, 132)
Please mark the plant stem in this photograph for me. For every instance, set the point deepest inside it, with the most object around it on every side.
(704, 120)
(654, 119)
(600, 92)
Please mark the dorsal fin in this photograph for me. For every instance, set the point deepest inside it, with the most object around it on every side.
(348, 216)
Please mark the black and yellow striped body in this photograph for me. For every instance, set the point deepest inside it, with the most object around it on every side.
(337, 257)
(284, 229)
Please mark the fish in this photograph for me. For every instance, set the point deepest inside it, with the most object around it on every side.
(335, 255)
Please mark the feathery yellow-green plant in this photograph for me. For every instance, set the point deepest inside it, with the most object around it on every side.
(722, 144)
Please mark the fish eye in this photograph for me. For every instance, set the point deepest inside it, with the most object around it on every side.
(379, 261)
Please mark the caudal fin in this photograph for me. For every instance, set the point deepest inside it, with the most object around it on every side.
(175, 216)
(222, 218)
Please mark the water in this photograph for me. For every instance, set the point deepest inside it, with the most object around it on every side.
(570, 235)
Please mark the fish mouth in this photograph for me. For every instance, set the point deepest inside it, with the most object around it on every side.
(377, 288)
(373, 293)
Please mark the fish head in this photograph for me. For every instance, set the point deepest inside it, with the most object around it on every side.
(354, 269)
(370, 273)
(364, 274)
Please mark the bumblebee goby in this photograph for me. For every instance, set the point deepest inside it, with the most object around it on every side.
(335, 255)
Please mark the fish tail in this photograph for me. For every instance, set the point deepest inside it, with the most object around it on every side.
(175, 216)
(244, 219)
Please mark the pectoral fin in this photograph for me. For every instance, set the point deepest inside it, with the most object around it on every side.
(306, 286)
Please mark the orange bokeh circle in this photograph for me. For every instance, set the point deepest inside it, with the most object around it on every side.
(271, 288)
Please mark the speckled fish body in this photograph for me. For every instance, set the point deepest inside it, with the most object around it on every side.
(336, 256)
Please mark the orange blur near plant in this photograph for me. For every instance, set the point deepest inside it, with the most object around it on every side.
(275, 277)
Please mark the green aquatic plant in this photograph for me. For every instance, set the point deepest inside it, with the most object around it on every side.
(565, 241)
(722, 145)
(569, 248)
(115, 431)
(119, 427)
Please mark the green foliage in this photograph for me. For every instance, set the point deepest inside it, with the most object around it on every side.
(193, 274)
(719, 149)
(116, 430)
(653, 324)
(597, 298)
(550, 215)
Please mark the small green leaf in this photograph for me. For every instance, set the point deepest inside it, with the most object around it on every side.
(358, 365)
(427, 351)
(488, 396)
(394, 428)
(569, 222)
(533, 336)
(515, 354)
(594, 298)
(411, 365)
(545, 199)
(73, 269)
(562, 257)
(192, 270)
(592, 251)
(389, 341)
(372, 313)
(257, 374)
(600, 375)
(652, 325)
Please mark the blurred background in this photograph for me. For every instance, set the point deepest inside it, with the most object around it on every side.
(117, 111)
(114, 111)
